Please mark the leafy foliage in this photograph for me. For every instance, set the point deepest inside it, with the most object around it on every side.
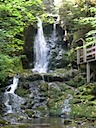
(78, 15)
(14, 15)
(79, 19)
(9, 65)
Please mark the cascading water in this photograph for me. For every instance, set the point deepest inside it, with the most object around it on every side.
(11, 100)
(66, 109)
(40, 50)
(56, 47)
(54, 37)
(11, 88)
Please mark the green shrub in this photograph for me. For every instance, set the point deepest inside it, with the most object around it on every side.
(9, 65)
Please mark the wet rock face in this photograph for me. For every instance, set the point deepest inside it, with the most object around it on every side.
(45, 99)
(1, 103)
(55, 98)
(52, 97)
(45, 95)
(57, 47)
(29, 35)
(60, 75)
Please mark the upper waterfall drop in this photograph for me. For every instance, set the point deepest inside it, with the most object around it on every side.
(40, 50)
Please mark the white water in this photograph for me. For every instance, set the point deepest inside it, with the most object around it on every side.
(54, 35)
(11, 88)
(66, 109)
(40, 50)
(53, 38)
(11, 100)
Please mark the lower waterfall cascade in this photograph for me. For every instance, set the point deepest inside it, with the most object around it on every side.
(11, 100)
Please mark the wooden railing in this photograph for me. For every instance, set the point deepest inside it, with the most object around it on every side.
(86, 54)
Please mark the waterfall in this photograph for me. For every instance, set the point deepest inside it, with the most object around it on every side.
(54, 32)
(53, 38)
(40, 50)
(66, 109)
(11, 88)
(12, 101)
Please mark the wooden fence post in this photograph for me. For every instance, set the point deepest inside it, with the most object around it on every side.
(78, 56)
(88, 72)
(95, 51)
(84, 54)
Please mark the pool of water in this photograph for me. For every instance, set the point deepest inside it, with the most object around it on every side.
(53, 123)
(60, 123)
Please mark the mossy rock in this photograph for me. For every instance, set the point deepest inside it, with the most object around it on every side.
(51, 103)
(83, 103)
(43, 110)
(55, 110)
(54, 107)
(43, 86)
(17, 126)
(29, 112)
(54, 94)
(22, 92)
(83, 110)
(76, 81)
(3, 122)
(75, 101)
(30, 76)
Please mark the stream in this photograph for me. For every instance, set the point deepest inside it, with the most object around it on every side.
(59, 123)
(52, 123)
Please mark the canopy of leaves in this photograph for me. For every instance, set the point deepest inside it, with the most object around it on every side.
(80, 14)
(14, 15)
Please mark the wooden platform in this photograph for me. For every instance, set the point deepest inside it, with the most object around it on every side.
(86, 54)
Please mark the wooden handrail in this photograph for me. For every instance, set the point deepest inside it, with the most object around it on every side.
(86, 54)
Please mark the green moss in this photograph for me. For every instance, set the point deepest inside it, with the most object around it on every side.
(76, 81)
(83, 110)
(3, 122)
(24, 126)
(44, 86)
(17, 126)
(29, 112)
(75, 101)
(83, 103)
(22, 92)
(51, 103)
(55, 94)
(43, 110)
(55, 110)
(60, 71)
